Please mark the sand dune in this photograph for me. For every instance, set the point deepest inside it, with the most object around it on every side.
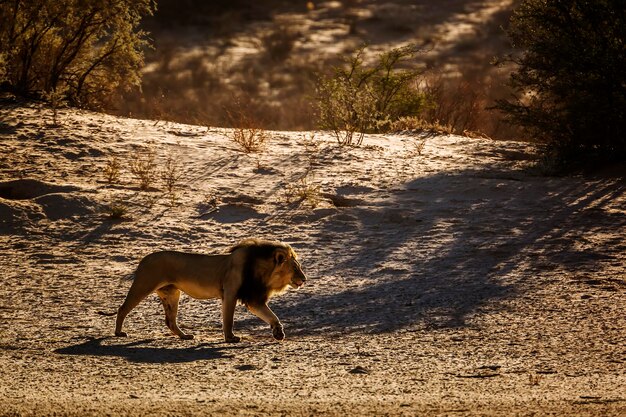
(458, 281)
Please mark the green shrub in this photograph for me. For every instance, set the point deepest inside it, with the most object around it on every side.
(90, 49)
(571, 78)
(358, 99)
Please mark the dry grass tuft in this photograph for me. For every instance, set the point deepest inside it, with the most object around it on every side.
(247, 132)
(116, 210)
(56, 99)
(112, 170)
(420, 125)
(304, 190)
(171, 174)
(143, 166)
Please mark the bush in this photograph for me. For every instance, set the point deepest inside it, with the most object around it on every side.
(88, 49)
(359, 99)
(570, 80)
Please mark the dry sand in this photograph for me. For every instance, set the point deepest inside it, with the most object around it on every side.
(456, 282)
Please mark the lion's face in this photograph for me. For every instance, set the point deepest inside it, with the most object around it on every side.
(287, 269)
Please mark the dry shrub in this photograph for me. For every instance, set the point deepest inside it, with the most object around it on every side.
(116, 210)
(112, 170)
(463, 105)
(143, 166)
(250, 139)
(454, 102)
(56, 97)
(247, 131)
(420, 125)
(416, 146)
(304, 190)
(171, 174)
(311, 148)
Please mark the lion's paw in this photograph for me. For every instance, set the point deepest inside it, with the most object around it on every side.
(121, 334)
(278, 333)
(186, 336)
(232, 339)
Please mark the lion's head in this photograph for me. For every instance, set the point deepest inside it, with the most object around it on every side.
(270, 268)
(287, 269)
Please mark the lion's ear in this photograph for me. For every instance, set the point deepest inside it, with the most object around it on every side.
(280, 258)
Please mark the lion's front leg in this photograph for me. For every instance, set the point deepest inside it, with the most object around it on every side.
(263, 312)
(229, 302)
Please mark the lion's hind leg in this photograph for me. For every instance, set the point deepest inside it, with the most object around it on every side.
(169, 296)
(139, 290)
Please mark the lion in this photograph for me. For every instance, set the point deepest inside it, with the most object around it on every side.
(250, 273)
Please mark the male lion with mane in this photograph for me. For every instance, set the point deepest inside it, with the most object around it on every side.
(251, 273)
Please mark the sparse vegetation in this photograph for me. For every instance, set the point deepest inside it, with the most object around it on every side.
(304, 190)
(143, 166)
(247, 132)
(357, 99)
(311, 148)
(458, 104)
(112, 170)
(171, 174)
(416, 146)
(209, 205)
(250, 139)
(570, 80)
(278, 71)
(420, 125)
(56, 98)
(117, 210)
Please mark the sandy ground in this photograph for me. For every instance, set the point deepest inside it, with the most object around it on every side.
(458, 281)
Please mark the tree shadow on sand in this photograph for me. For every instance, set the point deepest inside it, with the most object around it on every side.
(443, 249)
(142, 351)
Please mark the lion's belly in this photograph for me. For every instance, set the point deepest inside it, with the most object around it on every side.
(198, 290)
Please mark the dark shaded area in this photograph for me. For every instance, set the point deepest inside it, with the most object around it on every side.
(142, 352)
(201, 12)
(25, 189)
(535, 225)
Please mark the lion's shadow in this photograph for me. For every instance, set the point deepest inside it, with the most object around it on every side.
(141, 351)
(393, 278)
